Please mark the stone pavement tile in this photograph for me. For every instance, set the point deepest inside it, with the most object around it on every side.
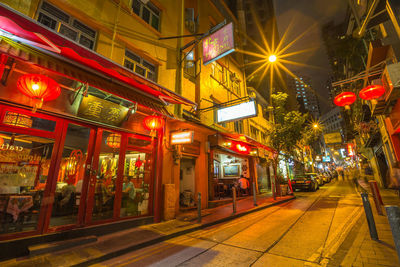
(275, 260)
(356, 264)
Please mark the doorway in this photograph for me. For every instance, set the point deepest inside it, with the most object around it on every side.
(187, 183)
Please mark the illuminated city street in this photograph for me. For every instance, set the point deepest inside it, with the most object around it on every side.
(315, 229)
(199, 133)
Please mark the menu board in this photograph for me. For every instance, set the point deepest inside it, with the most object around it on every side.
(15, 175)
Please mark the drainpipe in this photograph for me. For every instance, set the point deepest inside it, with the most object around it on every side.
(178, 75)
(116, 21)
(368, 18)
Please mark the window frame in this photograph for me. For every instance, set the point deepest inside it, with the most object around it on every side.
(59, 23)
(149, 6)
(140, 64)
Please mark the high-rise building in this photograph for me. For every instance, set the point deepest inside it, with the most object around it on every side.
(258, 23)
(305, 94)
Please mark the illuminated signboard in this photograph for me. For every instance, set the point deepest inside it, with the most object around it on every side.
(218, 44)
(317, 158)
(178, 138)
(236, 112)
(350, 150)
(326, 159)
(333, 138)
(101, 110)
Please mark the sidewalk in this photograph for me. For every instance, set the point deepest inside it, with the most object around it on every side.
(360, 250)
(118, 243)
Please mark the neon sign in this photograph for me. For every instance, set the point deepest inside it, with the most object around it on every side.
(218, 44)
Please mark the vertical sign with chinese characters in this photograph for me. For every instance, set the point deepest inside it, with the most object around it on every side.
(218, 44)
(101, 110)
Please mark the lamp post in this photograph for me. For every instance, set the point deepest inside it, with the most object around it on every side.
(272, 59)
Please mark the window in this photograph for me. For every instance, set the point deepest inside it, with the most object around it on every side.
(191, 66)
(238, 125)
(139, 65)
(226, 78)
(73, 29)
(254, 132)
(148, 12)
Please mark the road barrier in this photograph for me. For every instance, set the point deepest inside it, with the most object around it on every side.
(254, 194)
(234, 199)
(199, 207)
(370, 217)
(377, 196)
(393, 214)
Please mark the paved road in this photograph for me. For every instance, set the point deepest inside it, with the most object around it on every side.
(306, 231)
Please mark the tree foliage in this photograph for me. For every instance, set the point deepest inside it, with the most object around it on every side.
(287, 128)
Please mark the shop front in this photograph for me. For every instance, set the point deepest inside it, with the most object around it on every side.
(232, 165)
(77, 148)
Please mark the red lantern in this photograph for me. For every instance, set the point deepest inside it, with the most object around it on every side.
(153, 123)
(113, 140)
(345, 99)
(38, 87)
(372, 92)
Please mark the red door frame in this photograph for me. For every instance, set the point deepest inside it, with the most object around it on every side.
(47, 196)
(91, 169)
(88, 163)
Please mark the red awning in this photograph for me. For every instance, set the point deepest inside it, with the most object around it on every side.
(28, 31)
(245, 139)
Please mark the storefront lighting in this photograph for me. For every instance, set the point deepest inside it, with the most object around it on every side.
(178, 138)
(153, 123)
(113, 140)
(17, 119)
(345, 99)
(228, 144)
(38, 87)
(241, 148)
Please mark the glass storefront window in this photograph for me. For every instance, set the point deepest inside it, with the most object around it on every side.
(136, 184)
(107, 176)
(71, 174)
(24, 169)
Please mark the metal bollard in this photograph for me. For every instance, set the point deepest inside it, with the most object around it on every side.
(199, 207)
(393, 214)
(377, 196)
(254, 194)
(234, 199)
(370, 217)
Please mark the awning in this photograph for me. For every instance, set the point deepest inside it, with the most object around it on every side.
(23, 29)
(246, 139)
(60, 67)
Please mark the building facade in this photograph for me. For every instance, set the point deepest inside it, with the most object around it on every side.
(99, 149)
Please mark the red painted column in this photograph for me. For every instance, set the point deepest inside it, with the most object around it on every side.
(158, 181)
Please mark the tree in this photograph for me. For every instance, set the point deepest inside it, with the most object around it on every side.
(285, 131)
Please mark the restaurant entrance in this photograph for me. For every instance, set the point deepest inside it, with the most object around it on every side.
(58, 174)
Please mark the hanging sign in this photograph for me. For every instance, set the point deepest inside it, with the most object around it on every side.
(101, 110)
(178, 138)
(236, 112)
(218, 44)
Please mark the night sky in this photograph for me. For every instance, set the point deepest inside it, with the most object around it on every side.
(310, 14)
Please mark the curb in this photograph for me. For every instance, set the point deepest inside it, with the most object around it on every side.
(123, 251)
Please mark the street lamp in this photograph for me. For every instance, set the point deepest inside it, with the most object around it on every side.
(315, 126)
(272, 58)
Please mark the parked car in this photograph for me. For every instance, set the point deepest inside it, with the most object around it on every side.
(329, 175)
(318, 178)
(325, 178)
(306, 181)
